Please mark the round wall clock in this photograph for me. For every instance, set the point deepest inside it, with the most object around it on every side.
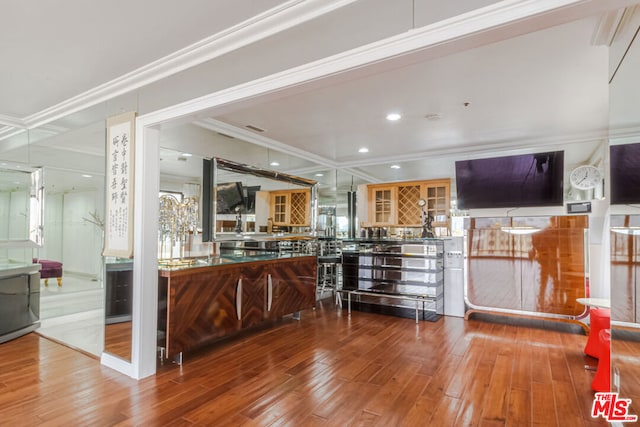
(585, 177)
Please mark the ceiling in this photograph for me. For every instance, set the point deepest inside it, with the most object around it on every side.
(58, 49)
(536, 89)
(67, 65)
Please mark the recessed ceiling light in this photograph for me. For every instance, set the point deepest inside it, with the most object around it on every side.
(186, 154)
(363, 150)
(86, 175)
(319, 174)
(395, 166)
(274, 164)
(392, 117)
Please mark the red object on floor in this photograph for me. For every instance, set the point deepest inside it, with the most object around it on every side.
(602, 380)
(49, 269)
(600, 320)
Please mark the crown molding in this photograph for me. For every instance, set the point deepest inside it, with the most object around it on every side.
(365, 176)
(542, 142)
(322, 163)
(607, 27)
(10, 132)
(312, 169)
(625, 135)
(14, 122)
(537, 143)
(258, 27)
(263, 141)
(480, 26)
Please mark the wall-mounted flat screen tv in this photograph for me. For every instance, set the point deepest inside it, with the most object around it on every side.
(230, 197)
(511, 181)
(625, 174)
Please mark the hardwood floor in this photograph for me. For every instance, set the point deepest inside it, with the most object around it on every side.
(117, 339)
(327, 369)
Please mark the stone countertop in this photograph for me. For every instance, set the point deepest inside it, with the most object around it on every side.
(231, 257)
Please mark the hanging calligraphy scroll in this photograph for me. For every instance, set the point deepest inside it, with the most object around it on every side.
(118, 227)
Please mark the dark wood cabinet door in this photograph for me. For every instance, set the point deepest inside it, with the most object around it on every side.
(201, 308)
(291, 286)
(253, 295)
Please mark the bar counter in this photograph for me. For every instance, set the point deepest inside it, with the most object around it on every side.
(220, 296)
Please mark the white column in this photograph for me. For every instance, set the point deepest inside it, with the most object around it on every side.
(145, 261)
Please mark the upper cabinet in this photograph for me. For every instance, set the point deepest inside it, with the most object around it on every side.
(290, 207)
(383, 209)
(398, 204)
(438, 197)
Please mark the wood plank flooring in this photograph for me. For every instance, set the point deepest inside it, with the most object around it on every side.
(327, 369)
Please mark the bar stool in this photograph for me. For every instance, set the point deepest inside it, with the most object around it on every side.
(329, 259)
(602, 379)
(600, 319)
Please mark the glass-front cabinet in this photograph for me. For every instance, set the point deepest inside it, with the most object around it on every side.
(382, 199)
(437, 196)
(279, 206)
(407, 204)
(290, 207)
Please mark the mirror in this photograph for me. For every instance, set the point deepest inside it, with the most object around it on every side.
(245, 201)
(624, 118)
(21, 207)
(180, 221)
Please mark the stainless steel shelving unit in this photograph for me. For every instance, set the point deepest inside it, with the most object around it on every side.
(400, 275)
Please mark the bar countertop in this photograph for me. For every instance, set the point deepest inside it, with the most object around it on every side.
(230, 258)
(387, 241)
(390, 240)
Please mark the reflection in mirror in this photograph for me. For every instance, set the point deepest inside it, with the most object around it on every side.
(71, 154)
(118, 299)
(625, 304)
(68, 198)
(326, 225)
(180, 221)
(624, 122)
(21, 208)
(72, 307)
(249, 201)
(346, 203)
(14, 205)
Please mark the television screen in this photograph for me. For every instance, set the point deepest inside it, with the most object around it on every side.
(511, 181)
(230, 197)
(625, 173)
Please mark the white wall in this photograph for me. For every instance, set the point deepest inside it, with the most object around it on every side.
(82, 240)
(5, 201)
(52, 248)
(18, 215)
(262, 209)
